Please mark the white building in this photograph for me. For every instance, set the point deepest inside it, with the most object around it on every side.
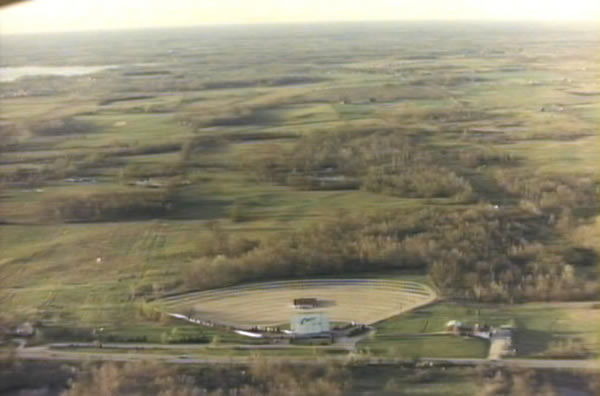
(304, 324)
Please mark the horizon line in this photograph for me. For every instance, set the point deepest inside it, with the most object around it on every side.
(562, 22)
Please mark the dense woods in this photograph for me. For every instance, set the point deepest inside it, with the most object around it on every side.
(387, 161)
(484, 253)
(515, 251)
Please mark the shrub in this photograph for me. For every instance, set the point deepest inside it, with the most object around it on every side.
(416, 183)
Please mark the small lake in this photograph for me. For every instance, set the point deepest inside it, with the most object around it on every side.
(8, 74)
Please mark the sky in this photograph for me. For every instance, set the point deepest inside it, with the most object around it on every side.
(35, 16)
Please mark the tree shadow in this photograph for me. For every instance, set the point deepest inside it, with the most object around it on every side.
(531, 342)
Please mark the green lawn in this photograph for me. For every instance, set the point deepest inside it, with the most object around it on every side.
(404, 335)
(537, 325)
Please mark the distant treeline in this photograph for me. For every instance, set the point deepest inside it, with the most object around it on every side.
(108, 101)
(272, 82)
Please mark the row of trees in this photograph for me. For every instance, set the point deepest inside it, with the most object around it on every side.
(271, 378)
(261, 378)
(103, 206)
(81, 164)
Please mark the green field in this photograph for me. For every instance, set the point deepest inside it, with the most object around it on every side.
(537, 326)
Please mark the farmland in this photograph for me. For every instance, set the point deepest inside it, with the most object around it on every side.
(201, 161)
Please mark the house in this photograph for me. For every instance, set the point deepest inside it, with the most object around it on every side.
(25, 329)
(454, 326)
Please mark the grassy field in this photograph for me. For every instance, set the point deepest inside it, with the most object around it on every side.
(537, 327)
(402, 381)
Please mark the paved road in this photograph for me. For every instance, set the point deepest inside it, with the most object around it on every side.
(45, 353)
(590, 364)
(347, 344)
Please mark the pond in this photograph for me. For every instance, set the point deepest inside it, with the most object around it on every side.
(8, 74)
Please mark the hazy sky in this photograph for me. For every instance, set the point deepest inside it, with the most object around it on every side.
(66, 15)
